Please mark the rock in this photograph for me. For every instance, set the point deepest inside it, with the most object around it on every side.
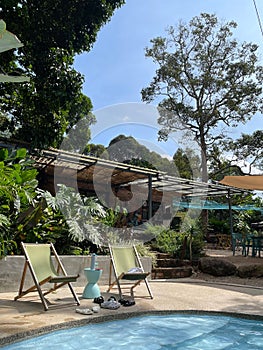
(217, 267)
(247, 271)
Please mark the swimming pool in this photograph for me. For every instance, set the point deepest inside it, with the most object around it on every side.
(153, 332)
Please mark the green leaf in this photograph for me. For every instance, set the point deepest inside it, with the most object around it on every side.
(3, 154)
(21, 153)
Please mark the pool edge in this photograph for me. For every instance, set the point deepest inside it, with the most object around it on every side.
(14, 338)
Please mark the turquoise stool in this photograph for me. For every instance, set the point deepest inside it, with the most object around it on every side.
(92, 290)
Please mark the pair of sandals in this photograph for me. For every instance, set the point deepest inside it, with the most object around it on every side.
(123, 302)
(111, 303)
(86, 311)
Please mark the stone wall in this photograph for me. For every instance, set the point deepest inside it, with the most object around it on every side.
(11, 269)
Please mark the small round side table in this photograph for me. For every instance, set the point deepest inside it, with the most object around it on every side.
(92, 290)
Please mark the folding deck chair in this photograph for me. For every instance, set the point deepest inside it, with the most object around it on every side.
(39, 261)
(126, 265)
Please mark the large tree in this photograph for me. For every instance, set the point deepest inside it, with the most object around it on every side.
(220, 163)
(53, 32)
(237, 157)
(205, 80)
(187, 163)
(248, 149)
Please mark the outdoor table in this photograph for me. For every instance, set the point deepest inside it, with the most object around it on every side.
(92, 290)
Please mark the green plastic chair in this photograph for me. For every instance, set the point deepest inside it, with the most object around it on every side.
(257, 245)
(39, 261)
(247, 243)
(124, 260)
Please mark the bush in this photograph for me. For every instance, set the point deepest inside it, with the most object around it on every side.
(182, 245)
(145, 250)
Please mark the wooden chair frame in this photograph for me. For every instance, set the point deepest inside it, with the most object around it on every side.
(57, 276)
(136, 278)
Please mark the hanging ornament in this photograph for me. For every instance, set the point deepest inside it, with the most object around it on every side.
(8, 40)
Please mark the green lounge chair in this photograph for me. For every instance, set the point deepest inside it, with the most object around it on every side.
(39, 261)
(123, 261)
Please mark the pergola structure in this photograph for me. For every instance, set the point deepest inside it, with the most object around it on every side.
(65, 164)
(113, 181)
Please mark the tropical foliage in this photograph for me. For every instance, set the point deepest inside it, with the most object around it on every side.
(32, 215)
(17, 192)
(53, 32)
(80, 213)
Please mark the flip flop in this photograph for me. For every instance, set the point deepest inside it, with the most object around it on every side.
(84, 311)
(129, 303)
(126, 302)
(96, 309)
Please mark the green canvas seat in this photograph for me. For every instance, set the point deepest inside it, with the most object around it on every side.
(126, 266)
(40, 263)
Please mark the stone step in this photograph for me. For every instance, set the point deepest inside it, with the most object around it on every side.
(171, 272)
(167, 262)
(163, 255)
(171, 262)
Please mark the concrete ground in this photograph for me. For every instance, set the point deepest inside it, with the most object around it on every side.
(26, 317)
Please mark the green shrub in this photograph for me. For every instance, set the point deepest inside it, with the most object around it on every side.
(182, 245)
(145, 251)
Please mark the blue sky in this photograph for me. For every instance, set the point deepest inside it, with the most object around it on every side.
(116, 69)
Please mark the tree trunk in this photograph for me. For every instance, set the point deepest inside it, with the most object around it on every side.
(204, 172)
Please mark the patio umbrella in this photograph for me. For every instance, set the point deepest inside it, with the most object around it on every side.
(247, 182)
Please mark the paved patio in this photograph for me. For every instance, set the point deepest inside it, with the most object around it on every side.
(26, 317)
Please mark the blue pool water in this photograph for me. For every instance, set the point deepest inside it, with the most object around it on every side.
(153, 332)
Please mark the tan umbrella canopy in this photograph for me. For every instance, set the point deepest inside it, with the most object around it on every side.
(9, 41)
(247, 182)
